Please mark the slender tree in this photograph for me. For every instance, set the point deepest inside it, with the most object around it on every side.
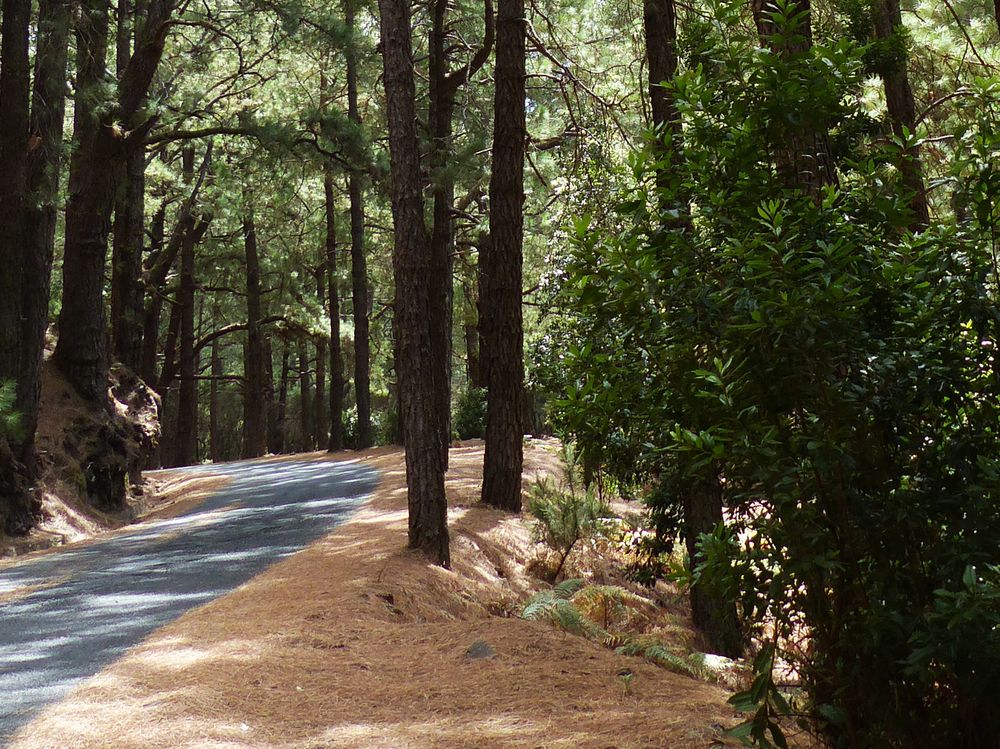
(419, 381)
(501, 269)
(899, 102)
(186, 438)
(336, 441)
(254, 415)
(359, 260)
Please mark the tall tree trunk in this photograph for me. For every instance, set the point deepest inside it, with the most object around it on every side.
(214, 435)
(154, 303)
(418, 381)
(96, 164)
(441, 113)
(321, 416)
(306, 441)
(359, 262)
(713, 614)
(501, 268)
(47, 110)
(185, 445)
(470, 325)
(254, 416)
(660, 27)
(802, 153)
(900, 104)
(336, 355)
(15, 501)
(282, 407)
(126, 253)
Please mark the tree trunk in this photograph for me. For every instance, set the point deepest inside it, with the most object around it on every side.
(282, 408)
(418, 381)
(359, 262)
(501, 267)
(16, 509)
(901, 107)
(154, 304)
(80, 352)
(336, 355)
(441, 113)
(214, 436)
(306, 441)
(185, 445)
(802, 156)
(660, 27)
(254, 416)
(470, 326)
(42, 190)
(126, 253)
(712, 614)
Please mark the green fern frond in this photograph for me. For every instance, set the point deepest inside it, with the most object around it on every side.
(567, 588)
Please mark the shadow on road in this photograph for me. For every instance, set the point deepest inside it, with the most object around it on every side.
(98, 600)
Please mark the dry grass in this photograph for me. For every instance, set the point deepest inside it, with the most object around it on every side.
(357, 642)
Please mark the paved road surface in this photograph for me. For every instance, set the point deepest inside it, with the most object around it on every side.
(105, 597)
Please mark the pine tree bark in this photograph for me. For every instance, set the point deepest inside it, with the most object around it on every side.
(282, 406)
(336, 441)
(359, 260)
(714, 615)
(102, 147)
(154, 302)
(802, 155)
(254, 415)
(501, 268)
(185, 444)
(306, 435)
(660, 27)
(214, 435)
(470, 326)
(48, 103)
(444, 85)
(126, 254)
(418, 381)
(901, 107)
(440, 120)
(16, 509)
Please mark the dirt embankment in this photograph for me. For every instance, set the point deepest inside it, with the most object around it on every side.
(357, 642)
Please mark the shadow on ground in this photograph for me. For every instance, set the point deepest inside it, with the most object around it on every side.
(92, 603)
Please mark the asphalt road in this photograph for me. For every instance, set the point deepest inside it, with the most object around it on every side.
(102, 598)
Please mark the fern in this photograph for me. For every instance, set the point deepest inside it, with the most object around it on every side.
(610, 605)
(656, 652)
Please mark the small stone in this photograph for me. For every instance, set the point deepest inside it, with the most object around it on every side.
(478, 650)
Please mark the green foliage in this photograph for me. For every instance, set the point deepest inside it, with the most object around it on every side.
(10, 420)
(565, 518)
(836, 370)
(603, 614)
(469, 418)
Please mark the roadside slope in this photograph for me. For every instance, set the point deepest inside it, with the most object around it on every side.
(356, 642)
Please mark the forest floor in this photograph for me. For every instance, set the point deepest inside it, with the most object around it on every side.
(357, 642)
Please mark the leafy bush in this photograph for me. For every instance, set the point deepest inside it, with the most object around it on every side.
(838, 373)
(469, 418)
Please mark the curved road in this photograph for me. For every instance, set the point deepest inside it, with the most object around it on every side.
(100, 599)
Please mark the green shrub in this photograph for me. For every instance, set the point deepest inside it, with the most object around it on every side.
(565, 518)
(10, 420)
(468, 421)
(835, 370)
